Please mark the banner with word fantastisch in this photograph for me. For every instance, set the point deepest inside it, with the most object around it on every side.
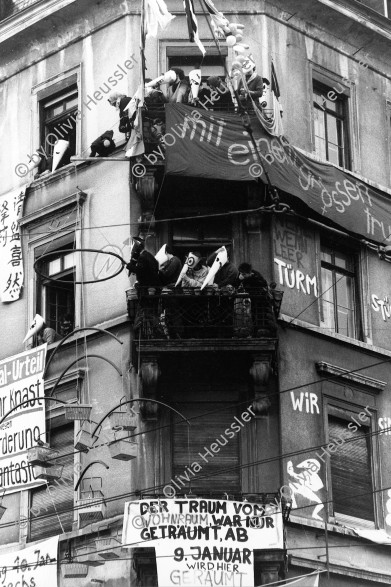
(203, 541)
(11, 262)
(35, 566)
(215, 145)
(21, 381)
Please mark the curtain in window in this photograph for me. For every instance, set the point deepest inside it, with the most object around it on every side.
(58, 497)
(351, 475)
(204, 431)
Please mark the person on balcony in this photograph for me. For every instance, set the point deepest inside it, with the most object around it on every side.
(47, 334)
(178, 91)
(169, 270)
(220, 96)
(120, 102)
(251, 280)
(254, 85)
(227, 275)
(197, 273)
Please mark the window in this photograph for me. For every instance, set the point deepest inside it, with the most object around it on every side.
(56, 296)
(338, 291)
(188, 58)
(206, 429)
(331, 124)
(58, 121)
(51, 506)
(205, 235)
(350, 465)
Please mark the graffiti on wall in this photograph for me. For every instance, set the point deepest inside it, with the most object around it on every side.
(307, 402)
(306, 483)
(385, 426)
(382, 305)
(296, 279)
(290, 241)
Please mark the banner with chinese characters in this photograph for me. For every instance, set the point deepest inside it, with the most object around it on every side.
(203, 541)
(11, 262)
(35, 566)
(21, 381)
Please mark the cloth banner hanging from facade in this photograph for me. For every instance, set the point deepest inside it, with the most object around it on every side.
(34, 566)
(11, 262)
(21, 380)
(214, 145)
(203, 541)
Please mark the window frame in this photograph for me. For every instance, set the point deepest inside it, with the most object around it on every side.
(335, 244)
(319, 75)
(341, 102)
(62, 215)
(330, 404)
(169, 49)
(55, 121)
(48, 89)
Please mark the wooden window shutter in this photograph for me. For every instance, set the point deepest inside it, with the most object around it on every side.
(351, 474)
(44, 519)
(204, 431)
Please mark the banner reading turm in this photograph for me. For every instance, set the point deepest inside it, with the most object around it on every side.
(215, 145)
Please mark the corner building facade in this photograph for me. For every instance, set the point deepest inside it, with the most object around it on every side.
(301, 400)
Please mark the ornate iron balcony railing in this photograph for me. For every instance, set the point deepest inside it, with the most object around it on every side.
(188, 313)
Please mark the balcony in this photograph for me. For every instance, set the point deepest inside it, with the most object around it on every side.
(183, 317)
(168, 322)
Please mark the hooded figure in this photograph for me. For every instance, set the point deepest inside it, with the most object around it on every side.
(169, 265)
(222, 272)
(104, 145)
(120, 101)
(143, 264)
(254, 83)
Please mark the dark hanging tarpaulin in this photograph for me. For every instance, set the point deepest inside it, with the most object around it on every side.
(215, 145)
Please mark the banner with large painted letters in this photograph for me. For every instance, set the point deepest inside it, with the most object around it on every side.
(21, 381)
(202, 541)
(35, 566)
(215, 145)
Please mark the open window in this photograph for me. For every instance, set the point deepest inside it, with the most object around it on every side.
(58, 122)
(56, 290)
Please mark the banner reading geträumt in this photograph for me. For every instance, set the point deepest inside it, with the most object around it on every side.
(201, 541)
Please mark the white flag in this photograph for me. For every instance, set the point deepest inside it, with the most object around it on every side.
(156, 14)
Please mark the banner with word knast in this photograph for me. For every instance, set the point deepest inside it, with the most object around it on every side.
(35, 566)
(11, 263)
(21, 380)
(202, 541)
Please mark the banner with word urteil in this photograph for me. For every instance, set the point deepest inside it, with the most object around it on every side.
(203, 541)
(21, 380)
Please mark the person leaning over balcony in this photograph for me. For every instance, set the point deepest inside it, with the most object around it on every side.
(195, 275)
(120, 101)
(178, 90)
(251, 279)
(170, 270)
(47, 334)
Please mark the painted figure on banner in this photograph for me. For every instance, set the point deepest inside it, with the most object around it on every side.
(306, 483)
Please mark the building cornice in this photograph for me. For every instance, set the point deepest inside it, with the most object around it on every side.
(19, 21)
